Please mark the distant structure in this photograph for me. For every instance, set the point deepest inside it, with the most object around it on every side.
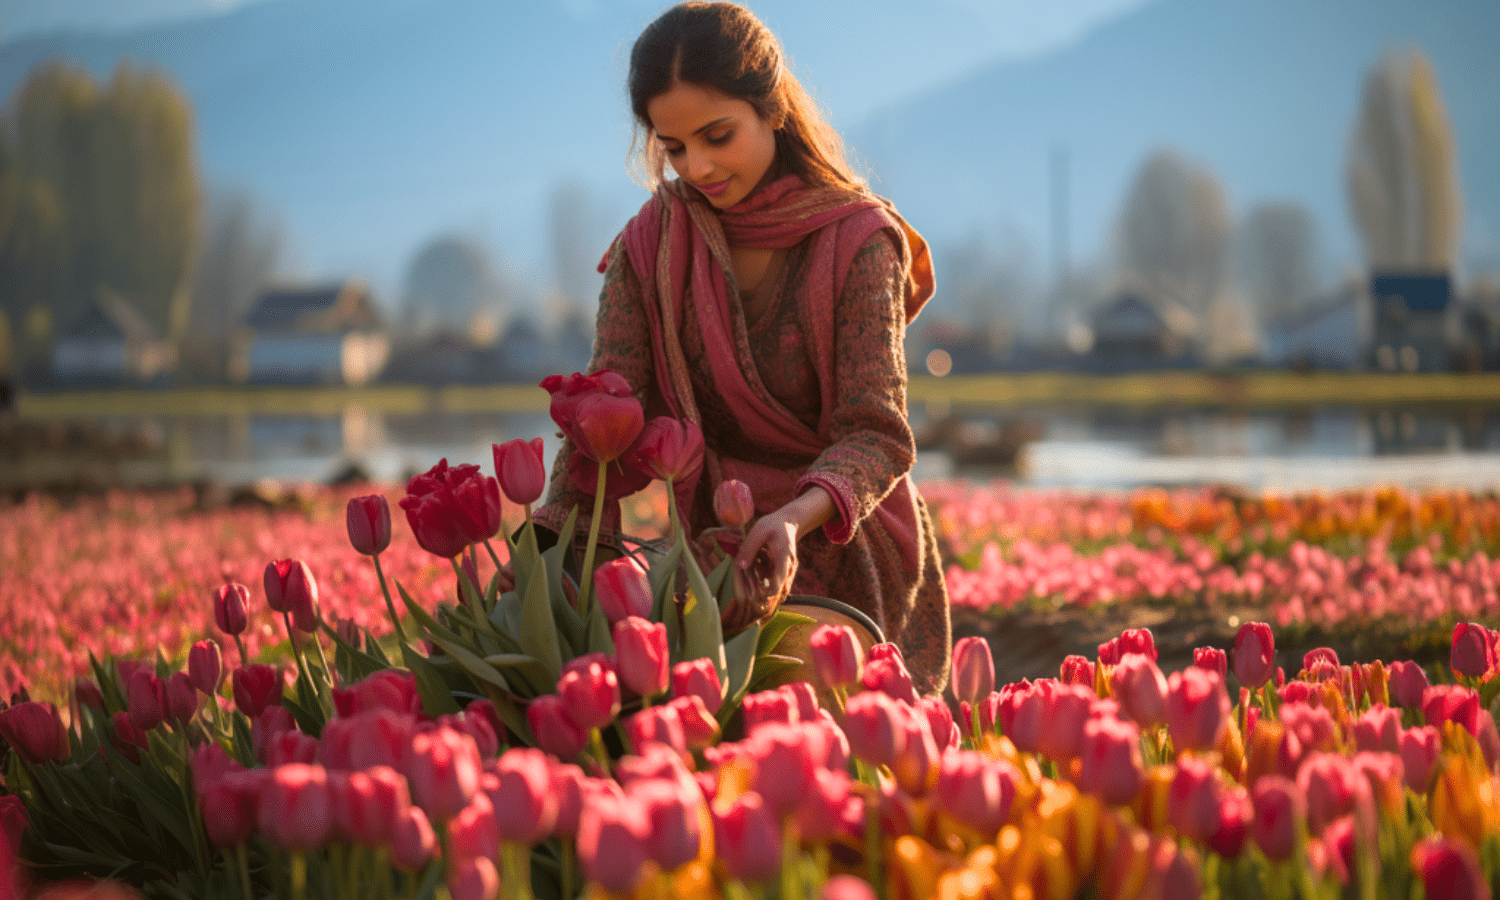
(331, 334)
(111, 343)
(1130, 334)
(1329, 333)
(1411, 314)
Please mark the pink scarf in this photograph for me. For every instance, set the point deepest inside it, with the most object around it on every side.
(679, 248)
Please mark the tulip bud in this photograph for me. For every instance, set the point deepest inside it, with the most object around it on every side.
(1452, 703)
(870, 721)
(230, 806)
(1141, 690)
(733, 504)
(146, 699)
(769, 707)
(369, 805)
(231, 602)
(1065, 709)
(835, 652)
(976, 790)
(206, 667)
(889, 675)
(1448, 867)
(642, 660)
(296, 808)
(940, 722)
(658, 725)
(128, 740)
(36, 731)
(477, 728)
(554, 729)
(473, 830)
(1076, 669)
(181, 698)
(590, 691)
(846, 887)
(1235, 813)
(1194, 799)
(1254, 654)
(1279, 807)
(368, 520)
(87, 693)
(289, 746)
(698, 677)
(699, 728)
(1197, 709)
(622, 589)
(520, 470)
(473, 878)
(414, 842)
(256, 687)
(1110, 765)
(525, 807)
(973, 669)
(567, 787)
(1420, 748)
(1407, 683)
(444, 772)
(1332, 787)
(291, 588)
(1213, 659)
(671, 810)
(1138, 640)
(612, 839)
(1378, 728)
(1109, 652)
(747, 839)
(1472, 653)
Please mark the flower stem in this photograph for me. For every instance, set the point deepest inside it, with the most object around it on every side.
(585, 589)
(244, 657)
(515, 877)
(299, 876)
(243, 863)
(493, 556)
(567, 865)
(291, 637)
(390, 605)
(596, 744)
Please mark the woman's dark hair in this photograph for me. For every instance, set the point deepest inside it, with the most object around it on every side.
(725, 47)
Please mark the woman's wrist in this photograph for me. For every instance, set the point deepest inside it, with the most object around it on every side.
(811, 509)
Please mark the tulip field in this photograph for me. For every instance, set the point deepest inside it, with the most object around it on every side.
(323, 699)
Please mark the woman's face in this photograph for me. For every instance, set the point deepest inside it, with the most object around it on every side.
(716, 143)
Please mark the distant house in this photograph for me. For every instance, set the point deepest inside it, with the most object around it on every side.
(521, 354)
(1411, 314)
(331, 334)
(111, 342)
(1330, 333)
(1131, 333)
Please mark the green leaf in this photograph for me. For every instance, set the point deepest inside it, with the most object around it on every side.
(703, 637)
(776, 628)
(600, 640)
(663, 578)
(377, 652)
(771, 665)
(356, 664)
(538, 629)
(164, 811)
(306, 720)
(436, 697)
(531, 669)
(475, 666)
(511, 715)
(425, 619)
(740, 653)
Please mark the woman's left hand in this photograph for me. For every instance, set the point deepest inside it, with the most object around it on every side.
(778, 533)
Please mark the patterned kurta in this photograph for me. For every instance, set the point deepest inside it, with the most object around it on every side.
(872, 442)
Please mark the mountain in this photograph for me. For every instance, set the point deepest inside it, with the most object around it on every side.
(371, 128)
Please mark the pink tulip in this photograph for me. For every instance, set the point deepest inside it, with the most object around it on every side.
(671, 811)
(181, 698)
(1333, 788)
(368, 521)
(1065, 709)
(973, 669)
(1141, 690)
(590, 691)
(976, 790)
(206, 667)
(747, 839)
(289, 746)
(1213, 659)
(231, 807)
(1254, 654)
(668, 448)
(473, 878)
(1279, 807)
(1076, 669)
(1320, 658)
(554, 729)
(656, 725)
(520, 469)
(835, 654)
(733, 505)
(474, 830)
(146, 700)
(1473, 652)
(700, 678)
(476, 727)
(414, 842)
(257, 686)
(296, 808)
(1109, 652)
(1449, 869)
(386, 689)
(36, 731)
(444, 772)
(1110, 764)
(378, 737)
(230, 604)
(567, 787)
(291, 588)
(1195, 798)
(784, 766)
(1378, 728)
(525, 807)
(1235, 813)
(622, 589)
(820, 817)
(612, 840)
(1197, 709)
(368, 805)
(940, 722)
(699, 728)
(767, 707)
(870, 721)
(1452, 703)
(1420, 748)
(1407, 683)
(846, 887)
(1386, 777)
(642, 661)
(1138, 640)
(889, 675)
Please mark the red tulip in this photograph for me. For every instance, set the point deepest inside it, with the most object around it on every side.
(1197, 709)
(976, 790)
(1332, 787)
(1254, 654)
(1213, 659)
(1420, 748)
(13, 822)
(671, 812)
(1378, 728)
(1076, 669)
(1110, 765)
(473, 832)
(443, 769)
(1473, 652)
(597, 412)
(476, 727)
(473, 878)
(747, 839)
(88, 694)
(1320, 658)
(128, 740)
(1141, 690)
(784, 766)
(973, 669)
(1066, 707)
(1279, 807)
(835, 653)
(567, 787)
(669, 448)
(369, 804)
(870, 721)
(296, 807)
(769, 707)
(939, 722)
(554, 730)
(525, 807)
(230, 604)
(206, 667)
(36, 731)
(1109, 652)
(520, 470)
(622, 589)
(700, 678)
(449, 508)
(368, 520)
(1407, 683)
(699, 728)
(1235, 813)
(1195, 795)
(291, 588)
(231, 807)
(590, 691)
(289, 746)
(181, 698)
(146, 700)
(612, 839)
(1452, 703)
(1138, 640)
(888, 675)
(387, 689)
(658, 725)
(414, 842)
(734, 505)
(1449, 869)
(256, 687)
(377, 737)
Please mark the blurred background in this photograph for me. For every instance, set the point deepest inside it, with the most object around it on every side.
(1177, 241)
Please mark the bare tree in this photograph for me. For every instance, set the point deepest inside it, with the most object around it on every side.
(240, 252)
(1275, 256)
(1402, 175)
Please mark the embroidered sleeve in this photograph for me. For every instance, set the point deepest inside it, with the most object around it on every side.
(872, 441)
(622, 342)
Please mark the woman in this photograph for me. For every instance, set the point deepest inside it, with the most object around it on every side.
(764, 294)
